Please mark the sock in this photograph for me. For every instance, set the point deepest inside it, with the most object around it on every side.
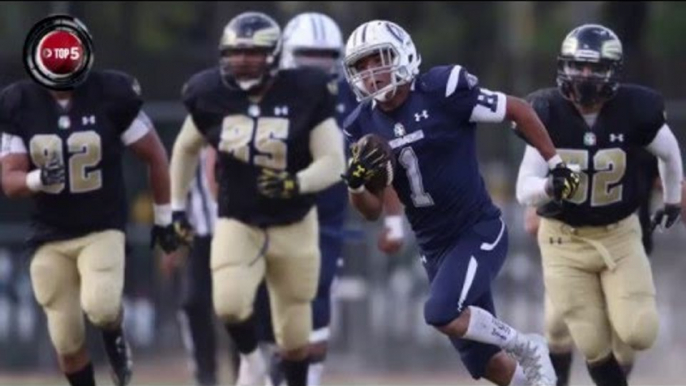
(314, 374)
(110, 336)
(519, 378)
(295, 372)
(562, 363)
(243, 335)
(485, 328)
(83, 377)
(607, 372)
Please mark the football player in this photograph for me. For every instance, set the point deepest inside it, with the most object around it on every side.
(196, 316)
(596, 270)
(278, 144)
(63, 148)
(315, 40)
(429, 122)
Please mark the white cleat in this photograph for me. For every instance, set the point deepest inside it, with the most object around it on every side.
(531, 351)
(252, 370)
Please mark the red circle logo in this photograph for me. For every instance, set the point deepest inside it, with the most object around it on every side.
(60, 53)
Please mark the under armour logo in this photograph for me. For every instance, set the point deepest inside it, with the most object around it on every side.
(423, 259)
(418, 117)
(281, 110)
(617, 137)
(88, 120)
(553, 241)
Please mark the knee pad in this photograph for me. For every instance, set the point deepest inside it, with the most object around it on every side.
(642, 332)
(439, 311)
(232, 296)
(293, 325)
(100, 312)
(556, 332)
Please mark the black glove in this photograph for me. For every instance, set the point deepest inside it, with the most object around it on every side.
(277, 184)
(165, 237)
(666, 217)
(564, 182)
(183, 231)
(364, 164)
(52, 173)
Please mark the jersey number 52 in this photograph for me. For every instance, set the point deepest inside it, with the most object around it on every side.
(609, 166)
(84, 153)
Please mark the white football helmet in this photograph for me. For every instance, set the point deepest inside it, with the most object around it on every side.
(312, 40)
(398, 54)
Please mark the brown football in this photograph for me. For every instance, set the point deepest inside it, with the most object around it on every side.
(385, 177)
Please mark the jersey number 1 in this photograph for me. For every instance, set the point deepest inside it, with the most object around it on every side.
(85, 151)
(420, 198)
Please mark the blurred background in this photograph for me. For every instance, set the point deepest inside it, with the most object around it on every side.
(379, 335)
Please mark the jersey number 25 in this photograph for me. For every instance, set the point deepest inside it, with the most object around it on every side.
(268, 134)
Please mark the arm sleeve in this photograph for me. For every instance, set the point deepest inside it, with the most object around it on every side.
(531, 181)
(466, 99)
(137, 130)
(184, 162)
(328, 160)
(12, 144)
(666, 148)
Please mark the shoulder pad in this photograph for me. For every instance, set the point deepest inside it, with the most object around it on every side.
(201, 83)
(447, 80)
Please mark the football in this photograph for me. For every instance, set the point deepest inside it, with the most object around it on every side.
(385, 177)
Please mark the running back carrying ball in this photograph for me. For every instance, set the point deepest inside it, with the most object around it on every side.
(375, 164)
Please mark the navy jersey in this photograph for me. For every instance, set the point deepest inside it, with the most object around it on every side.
(251, 135)
(333, 202)
(433, 139)
(610, 153)
(87, 137)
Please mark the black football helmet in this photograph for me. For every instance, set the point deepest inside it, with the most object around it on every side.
(589, 65)
(249, 33)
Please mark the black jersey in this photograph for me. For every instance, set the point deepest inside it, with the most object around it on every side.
(273, 132)
(86, 135)
(609, 152)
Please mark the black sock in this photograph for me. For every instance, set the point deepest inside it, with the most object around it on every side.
(110, 336)
(607, 373)
(83, 377)
(562, 362)
(295, 372)
(243, 335)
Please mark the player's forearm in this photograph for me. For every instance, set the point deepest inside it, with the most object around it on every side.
(211, 171)
(531, 128)
(666, 148)
(15, 184)
(393, 214)
(326, 146)
(368, 204)
(532, 183)
(184, 163)
(532, 190)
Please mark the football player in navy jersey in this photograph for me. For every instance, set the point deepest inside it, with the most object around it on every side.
(429, 122)
(596, 271)
(278, 145)
(315, 40)
(63, 148)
